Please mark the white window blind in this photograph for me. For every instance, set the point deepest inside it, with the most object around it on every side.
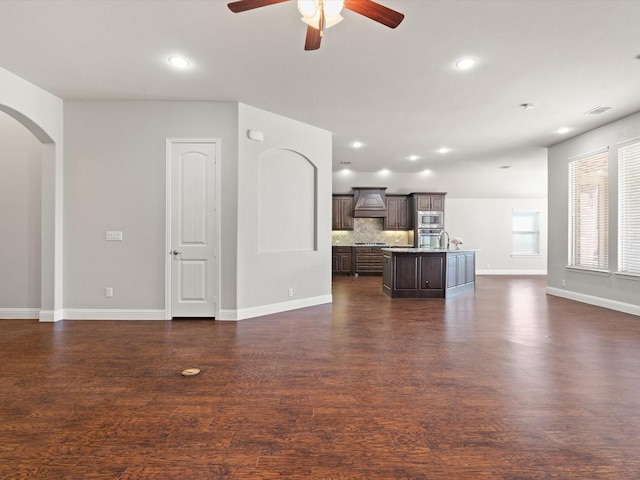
(589, 212)
(525, 232)
(629, 207)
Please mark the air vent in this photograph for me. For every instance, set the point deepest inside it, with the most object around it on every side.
(345, 163)
(598, 110)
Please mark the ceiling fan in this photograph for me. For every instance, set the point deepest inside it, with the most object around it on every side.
(321, 14)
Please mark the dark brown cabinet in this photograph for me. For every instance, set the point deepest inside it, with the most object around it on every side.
(399, 215)
(367, 260)
(342, 261)
(342, 212)
(427, 274)
(429, 201)
(409, 275)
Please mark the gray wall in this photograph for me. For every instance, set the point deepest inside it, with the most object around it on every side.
(115, 174)
(265, 277)
(20, 229)
(610, 290)
(115, 179)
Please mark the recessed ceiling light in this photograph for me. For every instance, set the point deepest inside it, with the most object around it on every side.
(384, 171)
(179, 62)
(413, 158)
(563, 130)
(465, 63)
(357, 144)
(426, 172)
(444, 150)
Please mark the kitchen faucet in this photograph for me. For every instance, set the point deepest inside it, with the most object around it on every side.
(448, 239)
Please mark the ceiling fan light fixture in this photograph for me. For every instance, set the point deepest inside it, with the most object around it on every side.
(328, 21)
(333, 8)
(307, 8)
(311, 11)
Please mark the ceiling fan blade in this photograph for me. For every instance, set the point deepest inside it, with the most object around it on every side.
(244, 5)
(375, 11)
(313, 38)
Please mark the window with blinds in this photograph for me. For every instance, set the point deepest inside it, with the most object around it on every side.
(525, 232)
(629, 207)
(589, 212)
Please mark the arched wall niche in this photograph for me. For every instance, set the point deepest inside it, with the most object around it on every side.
(287, 217)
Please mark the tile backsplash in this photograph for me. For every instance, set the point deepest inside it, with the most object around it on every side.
(369, 230)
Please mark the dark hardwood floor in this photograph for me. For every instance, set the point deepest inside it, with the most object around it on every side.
(504, 383)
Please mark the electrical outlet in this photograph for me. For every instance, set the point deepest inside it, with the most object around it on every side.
(291, 292)
(108, 292)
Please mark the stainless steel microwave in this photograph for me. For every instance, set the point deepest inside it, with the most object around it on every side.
(430, 220)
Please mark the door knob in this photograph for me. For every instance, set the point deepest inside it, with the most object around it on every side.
(176, 252)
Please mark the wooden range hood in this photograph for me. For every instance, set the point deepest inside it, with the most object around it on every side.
(369, 202)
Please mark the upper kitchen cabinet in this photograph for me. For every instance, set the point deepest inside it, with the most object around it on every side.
(342, 212)
(399, 215)
(429, 201)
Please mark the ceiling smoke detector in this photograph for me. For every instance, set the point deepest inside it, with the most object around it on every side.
(598, 110)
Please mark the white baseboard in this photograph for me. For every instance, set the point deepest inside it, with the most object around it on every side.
(113, 314)
(597, 301)
(19, 313)
(51, 315)
(251, 312)
(511, 272)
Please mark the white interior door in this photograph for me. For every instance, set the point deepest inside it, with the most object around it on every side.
(193, 229)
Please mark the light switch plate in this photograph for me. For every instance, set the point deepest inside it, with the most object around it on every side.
(112, 236)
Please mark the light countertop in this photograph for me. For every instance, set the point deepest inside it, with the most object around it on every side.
(429, 250)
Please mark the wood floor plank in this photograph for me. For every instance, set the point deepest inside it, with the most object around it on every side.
(502, 383)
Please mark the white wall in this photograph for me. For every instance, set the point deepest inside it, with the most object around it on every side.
(20, 223)
(526, 177)
(485, 224)
(115, 179)
(265, 277)
(608, 290)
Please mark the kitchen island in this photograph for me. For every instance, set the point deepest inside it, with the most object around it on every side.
(427, 272)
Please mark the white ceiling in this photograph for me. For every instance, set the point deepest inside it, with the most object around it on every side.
(397, 91)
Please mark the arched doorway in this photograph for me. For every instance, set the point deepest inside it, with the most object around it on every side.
(20, 220)
(50, 269)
